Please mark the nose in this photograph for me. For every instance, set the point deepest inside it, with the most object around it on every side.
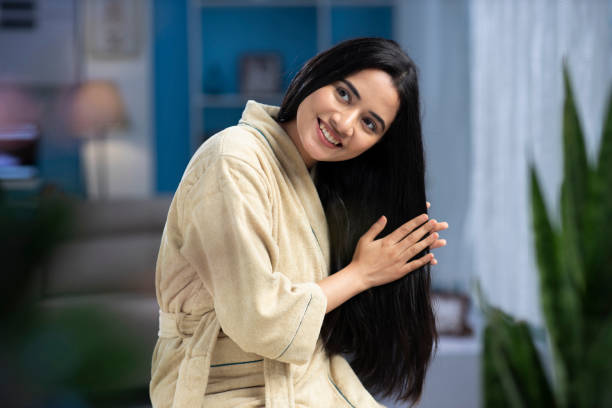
(344, 122)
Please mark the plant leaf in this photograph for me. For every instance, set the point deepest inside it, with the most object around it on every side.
(596, 376)
(553, 288)
(597, 241)
(514, 373)
(574, 190)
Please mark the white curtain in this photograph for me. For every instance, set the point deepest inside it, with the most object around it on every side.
(517, 50)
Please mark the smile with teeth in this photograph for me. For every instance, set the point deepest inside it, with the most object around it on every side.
(328, 135)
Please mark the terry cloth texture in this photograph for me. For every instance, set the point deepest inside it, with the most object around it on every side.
(240, 313)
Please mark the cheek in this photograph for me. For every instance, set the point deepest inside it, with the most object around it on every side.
(301, 120)
(323, 101)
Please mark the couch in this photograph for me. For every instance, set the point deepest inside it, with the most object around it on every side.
(106, 272)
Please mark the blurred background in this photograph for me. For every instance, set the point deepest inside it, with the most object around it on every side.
(102, 103)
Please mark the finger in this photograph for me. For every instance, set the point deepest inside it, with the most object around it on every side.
(440, 226)
(411, 251)
(416, 235)
(406, 229)
(416, 264)
(375, 229)
(428, 204)
(438, 244)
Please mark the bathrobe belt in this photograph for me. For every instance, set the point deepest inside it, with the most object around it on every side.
(199, 334)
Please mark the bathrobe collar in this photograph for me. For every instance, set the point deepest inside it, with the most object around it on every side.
(262, 118)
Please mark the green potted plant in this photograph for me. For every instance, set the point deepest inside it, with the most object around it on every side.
(574, 258)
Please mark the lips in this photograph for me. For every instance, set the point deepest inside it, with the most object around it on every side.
(327, 136)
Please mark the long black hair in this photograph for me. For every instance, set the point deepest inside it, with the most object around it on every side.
(389, 331)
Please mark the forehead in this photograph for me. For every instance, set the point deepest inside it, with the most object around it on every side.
(377, 91)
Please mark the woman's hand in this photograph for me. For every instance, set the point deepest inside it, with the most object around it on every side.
(380, 261)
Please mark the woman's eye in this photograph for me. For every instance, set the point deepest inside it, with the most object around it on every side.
(343, 93)
(370, 124)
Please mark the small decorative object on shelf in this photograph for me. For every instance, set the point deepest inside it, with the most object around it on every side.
(214, 84)
(451, 313)
(260, 73)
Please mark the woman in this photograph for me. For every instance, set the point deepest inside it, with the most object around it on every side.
(265, 276)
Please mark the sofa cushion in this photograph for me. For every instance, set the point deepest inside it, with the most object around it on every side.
(118, 263)
(113, 249)
(115, 217)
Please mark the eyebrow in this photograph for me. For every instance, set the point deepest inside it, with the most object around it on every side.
(354, 90)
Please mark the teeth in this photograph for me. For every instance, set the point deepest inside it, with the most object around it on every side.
(328, 136)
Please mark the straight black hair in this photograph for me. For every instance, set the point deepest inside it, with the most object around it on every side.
(388, 331)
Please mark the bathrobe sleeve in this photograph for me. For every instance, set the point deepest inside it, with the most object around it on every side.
(228, 237)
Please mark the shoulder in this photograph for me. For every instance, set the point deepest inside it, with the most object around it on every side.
(235, 152)
(233, 144)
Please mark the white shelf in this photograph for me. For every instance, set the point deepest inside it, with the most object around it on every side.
(255, 3)
(292, 3)
(449, 345)
(236, 100)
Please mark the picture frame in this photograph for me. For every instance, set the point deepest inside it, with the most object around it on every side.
(451, 311)
(113, 28)
(260, 73)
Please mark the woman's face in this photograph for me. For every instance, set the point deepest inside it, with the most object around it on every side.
(344, 119)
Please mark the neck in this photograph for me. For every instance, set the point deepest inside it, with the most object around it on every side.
(291, 129)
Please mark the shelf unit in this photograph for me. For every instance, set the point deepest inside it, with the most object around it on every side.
(323, 11)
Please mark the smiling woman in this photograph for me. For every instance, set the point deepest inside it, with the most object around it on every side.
(298, 235)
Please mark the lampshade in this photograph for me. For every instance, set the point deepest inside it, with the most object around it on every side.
(97, 107)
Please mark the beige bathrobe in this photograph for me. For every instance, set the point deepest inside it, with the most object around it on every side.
(240, 313)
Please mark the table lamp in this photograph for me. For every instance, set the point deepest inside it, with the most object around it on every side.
(97, 108)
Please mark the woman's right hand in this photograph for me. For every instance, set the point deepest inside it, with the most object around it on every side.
(384, 260)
